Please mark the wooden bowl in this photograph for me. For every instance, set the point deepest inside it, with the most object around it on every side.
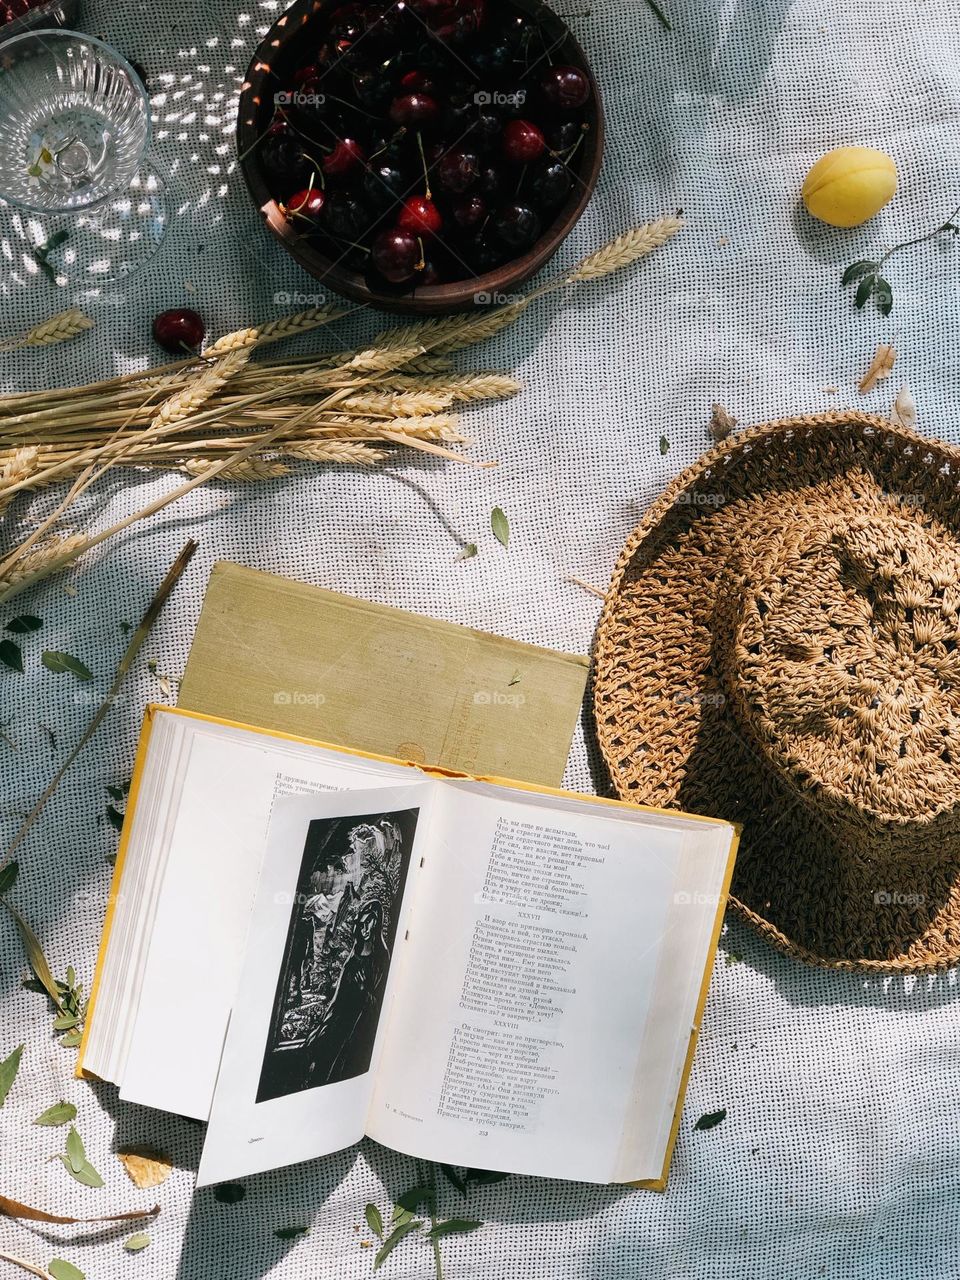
(282, 50)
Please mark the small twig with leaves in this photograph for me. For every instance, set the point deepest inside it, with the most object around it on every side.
(404, 1222)
(868, 273)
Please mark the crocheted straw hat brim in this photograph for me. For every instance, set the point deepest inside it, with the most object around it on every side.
(830, 869)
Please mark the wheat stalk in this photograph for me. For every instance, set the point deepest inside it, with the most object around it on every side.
(185, 403)
(335, 451)
(625, 250)
(38, 561)
(59, 328)
(250, 469)
(17, 469)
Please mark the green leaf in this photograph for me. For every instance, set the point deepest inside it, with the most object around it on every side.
(856, 270)
(58, 238)
(451, 1175)
(114, 817)
(883, 295)
(59, 1113)
(87, 1174)
(664, 445)
(137, 1242)
(400, 1215)
(290, 1233)
(60, 1269)
(64, 1021)
(11, 656)
(116, 793)
(8, 1072)
(415, 1196)
(711, 1119)
(71, 1039)
(59, 662)
(500, 525)
(453, 1227)
(38, 961)
(864, 290)
(393, 1239)
(468, 552)
(24, 624)
(7, 876)
(229, 1192)
(374, 1220)
(75, 1151)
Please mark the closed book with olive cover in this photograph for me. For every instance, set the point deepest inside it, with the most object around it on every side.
(311, 662)
(306, 944)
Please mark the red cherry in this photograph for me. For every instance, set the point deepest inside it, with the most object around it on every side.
(414, 109)
(306, 204)
(309, 72)
(346, 156)
(523, 142)
(421, 216)
(469, 212)
(457, 170)
(396, 255)
(416, 82)
(566, 88)
(179, 330)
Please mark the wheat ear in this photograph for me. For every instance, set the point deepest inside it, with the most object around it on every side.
(199, 390)
(59, 328)
(41, 557)
(17, 468)
(249, 469)
(625, 250)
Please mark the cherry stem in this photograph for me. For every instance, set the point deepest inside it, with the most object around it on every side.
(426, 177)
(907, 244)
(423, 257)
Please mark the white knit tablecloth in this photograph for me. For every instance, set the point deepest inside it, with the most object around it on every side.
(840, 1153)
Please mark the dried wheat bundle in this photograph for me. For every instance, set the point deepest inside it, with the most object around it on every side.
(226, 414)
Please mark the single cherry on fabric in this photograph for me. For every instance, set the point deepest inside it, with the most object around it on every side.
(179, 330)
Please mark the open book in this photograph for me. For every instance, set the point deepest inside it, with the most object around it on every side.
(306, 945)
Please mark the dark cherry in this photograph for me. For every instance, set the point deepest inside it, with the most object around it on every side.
(306, 205)
(565, 88)
(523, 142)
(486, 130)
(550, 183)
(179, 330)
(310, 72)
(493, 61)
(347, 24)
(468, 212)
(491, 181)
(484, 253)
(281, 153)
(517, 225)
(391, 148)
(373, 91)
(431, 273)
(565, 135)
(459, 113)
(420, 216)
(457, 171)
(384, 185)
(396, 255)
(417, 81)
(513, 100)
(461, 22)
(346, 156)
(346, 217)
(414, 109)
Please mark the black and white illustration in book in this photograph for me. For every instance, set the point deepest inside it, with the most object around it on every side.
(342, 930)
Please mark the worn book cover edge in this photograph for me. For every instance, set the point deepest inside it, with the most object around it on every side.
(651, 1184)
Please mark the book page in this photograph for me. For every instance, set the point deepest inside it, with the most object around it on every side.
(219, 814)
(532, 963)
(317, 981)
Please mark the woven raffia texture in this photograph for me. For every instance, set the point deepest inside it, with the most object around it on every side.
(781, 646)
(840, 1155)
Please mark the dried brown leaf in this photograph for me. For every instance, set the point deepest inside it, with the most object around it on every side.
(145, 1167)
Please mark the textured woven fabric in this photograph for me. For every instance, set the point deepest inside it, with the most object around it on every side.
(840, 1153)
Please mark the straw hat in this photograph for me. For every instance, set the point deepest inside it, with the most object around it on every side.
(780, 646)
